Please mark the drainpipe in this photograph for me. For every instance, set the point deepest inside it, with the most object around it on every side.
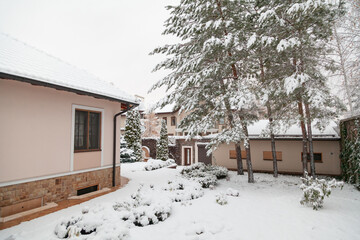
(114, 149)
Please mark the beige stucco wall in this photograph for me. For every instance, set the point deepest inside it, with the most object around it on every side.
(35, 127)
(179, 117)
(85, 160)
(291, 156)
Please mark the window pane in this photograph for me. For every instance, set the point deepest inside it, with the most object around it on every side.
(173, 121)
(317, 157)
(80, 129)
(94, 130)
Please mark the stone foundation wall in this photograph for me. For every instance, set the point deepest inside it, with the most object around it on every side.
(56, 189)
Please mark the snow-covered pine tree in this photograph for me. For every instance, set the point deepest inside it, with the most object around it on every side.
(269, 71)
(304, 29)
(133, 133)
(162, 145)
(208, 76)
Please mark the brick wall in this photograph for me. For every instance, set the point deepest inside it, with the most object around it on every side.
(151, 144)
(56, 189)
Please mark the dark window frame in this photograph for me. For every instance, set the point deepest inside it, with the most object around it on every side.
(315, 160)
(88, 149)
(173, 121)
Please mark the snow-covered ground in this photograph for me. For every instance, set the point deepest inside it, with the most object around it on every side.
(268, 209)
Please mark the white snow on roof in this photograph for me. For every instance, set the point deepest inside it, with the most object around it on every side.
(20, 59)
(294, 130)
(167, 109)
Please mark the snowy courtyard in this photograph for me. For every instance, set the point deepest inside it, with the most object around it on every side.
(268, 209)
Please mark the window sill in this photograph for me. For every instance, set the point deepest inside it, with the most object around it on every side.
(87, 150)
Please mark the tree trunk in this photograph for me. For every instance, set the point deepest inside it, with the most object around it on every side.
(311, 149)
(240, 168)
(272, 136)
(248, 155)
(343, 70)
(269, 113)
(304, 137)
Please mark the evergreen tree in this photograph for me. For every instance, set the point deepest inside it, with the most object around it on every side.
(133, 133)
(209, 77)
(162, 148)
(304, 28)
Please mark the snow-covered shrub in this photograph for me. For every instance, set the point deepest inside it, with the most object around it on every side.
(153, 164)
(94, 223)
(232, 192)
(315, 190)
(143, 209)
(218, 171)
(181, 191)
(77, 226)
(221, 199)
(206, 175)
(206, 180)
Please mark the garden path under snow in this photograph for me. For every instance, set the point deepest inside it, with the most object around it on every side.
(267, 209)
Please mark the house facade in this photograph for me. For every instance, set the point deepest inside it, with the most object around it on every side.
(288, 146)
(59, 129)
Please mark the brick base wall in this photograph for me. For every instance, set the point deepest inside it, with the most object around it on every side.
(56, 189)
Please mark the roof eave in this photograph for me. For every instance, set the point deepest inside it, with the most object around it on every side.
(58, 87)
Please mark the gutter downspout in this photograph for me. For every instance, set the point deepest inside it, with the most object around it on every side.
(114, 143)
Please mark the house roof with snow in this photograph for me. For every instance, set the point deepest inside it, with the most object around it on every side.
(294, 131)
(19, 61)
(166, 109)
(257, 131)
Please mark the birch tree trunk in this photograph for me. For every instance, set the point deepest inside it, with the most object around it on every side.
(343, 71)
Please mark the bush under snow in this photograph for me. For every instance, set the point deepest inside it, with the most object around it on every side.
(144, 209)
(221, 199)
(96, 224)
(206, 175)
(315, 190)
(181, 191)
(153, 164)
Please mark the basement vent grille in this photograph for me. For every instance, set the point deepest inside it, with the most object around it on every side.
(87, 190)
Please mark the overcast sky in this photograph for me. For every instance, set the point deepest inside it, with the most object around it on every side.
(108, 38)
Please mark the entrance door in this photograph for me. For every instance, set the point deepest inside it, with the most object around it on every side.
(187, 156)
(202, 156)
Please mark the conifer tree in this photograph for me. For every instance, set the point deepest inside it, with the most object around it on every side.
(209, 78)
(304, 28)
(162, 148)
(133, 133)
